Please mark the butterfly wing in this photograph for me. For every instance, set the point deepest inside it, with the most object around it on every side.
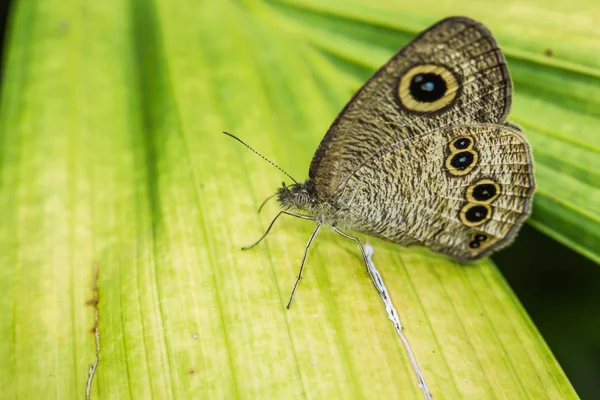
(463, 191)
(451, 73)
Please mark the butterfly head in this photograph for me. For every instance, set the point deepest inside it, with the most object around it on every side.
(299, 196)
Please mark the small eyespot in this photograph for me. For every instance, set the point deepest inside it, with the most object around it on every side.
(461, 143)
(480, 237)
(475, 214)
(479, 241)
(462, 160)
(474, 244)
(461, 163)
(427, 87)
(485, 191)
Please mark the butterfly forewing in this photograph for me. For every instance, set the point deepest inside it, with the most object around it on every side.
(452, 73)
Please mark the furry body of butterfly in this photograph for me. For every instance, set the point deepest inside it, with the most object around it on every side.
(422, 154)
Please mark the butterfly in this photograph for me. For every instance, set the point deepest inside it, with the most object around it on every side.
(422, 154)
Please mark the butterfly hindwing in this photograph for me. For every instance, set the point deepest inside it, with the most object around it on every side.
(452, 73)
(463, 191)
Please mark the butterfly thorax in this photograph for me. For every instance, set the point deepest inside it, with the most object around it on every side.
(303, 197)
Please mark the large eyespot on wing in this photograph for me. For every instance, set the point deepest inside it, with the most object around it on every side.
(427, 88)
(487, 206)
(452, 73)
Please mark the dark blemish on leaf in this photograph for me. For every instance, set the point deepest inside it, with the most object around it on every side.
(548, 52)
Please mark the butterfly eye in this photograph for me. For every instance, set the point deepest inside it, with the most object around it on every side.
(475, 214)
(302, 199)
(485, 191)
(426, 88)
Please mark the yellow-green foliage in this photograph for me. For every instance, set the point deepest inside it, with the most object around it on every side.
(112, 161)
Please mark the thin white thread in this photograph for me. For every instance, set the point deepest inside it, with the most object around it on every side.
(393, 316)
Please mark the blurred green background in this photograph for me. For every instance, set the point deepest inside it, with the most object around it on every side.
(562, 295)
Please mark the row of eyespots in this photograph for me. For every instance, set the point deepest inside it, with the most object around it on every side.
(479, 197)
(427, 88)
(462, 158)
(477, 239)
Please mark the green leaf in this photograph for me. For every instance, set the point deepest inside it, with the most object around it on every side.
(121, 200)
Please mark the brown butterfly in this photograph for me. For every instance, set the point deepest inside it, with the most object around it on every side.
(422, 154)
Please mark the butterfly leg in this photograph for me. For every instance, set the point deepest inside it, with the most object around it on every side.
(273, 222)
(362, 250)
(302, 264)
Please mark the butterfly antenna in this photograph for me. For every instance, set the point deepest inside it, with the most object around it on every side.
(263, 157)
